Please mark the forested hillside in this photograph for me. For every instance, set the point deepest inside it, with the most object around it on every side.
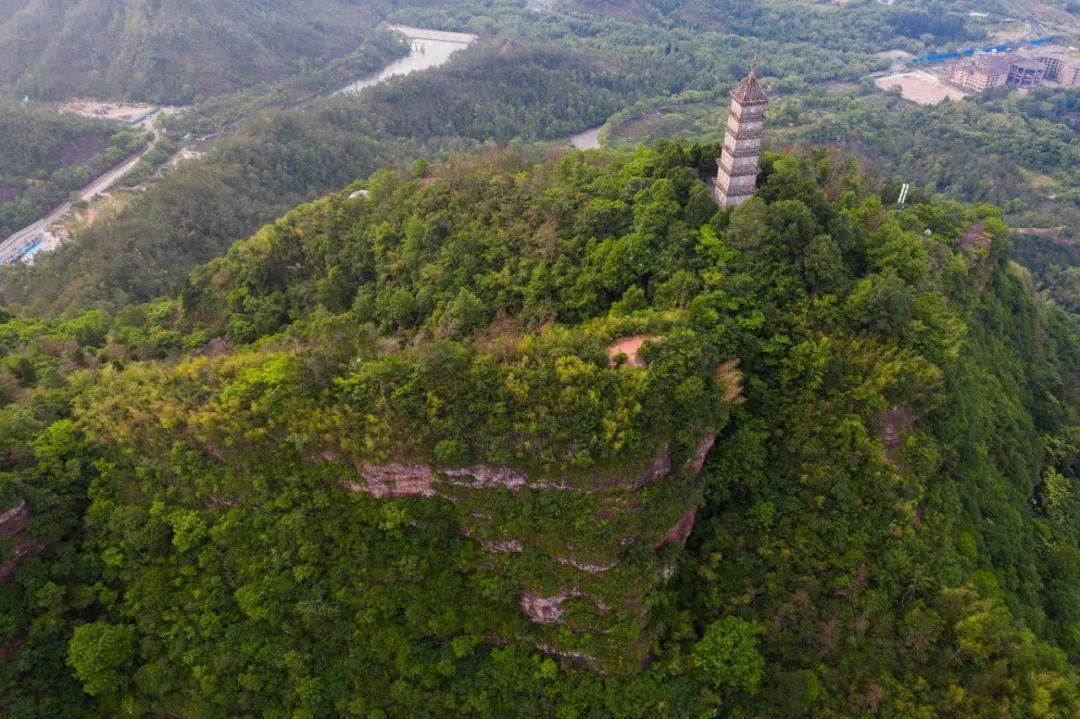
(175, 51)
(46, 156)
(1016, 151)
(498, 92)
(392, 457)
(543, 76)
(860, 26)
(548, 77)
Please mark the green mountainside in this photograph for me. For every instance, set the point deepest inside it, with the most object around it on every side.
(174, 51)
(511, 436)
(544, 75)
(279, 160)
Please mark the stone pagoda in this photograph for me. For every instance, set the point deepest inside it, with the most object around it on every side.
(736, 180)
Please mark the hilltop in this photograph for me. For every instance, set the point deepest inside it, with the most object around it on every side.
(553, 437)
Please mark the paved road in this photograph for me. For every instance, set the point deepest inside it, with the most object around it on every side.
(114, 175)
(13, 248)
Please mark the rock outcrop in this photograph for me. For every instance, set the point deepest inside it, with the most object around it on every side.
(546, 610)
(895, 423)
(566, 578)
(23, 551)
(681, 531)
(397, 480)
(12, 523)
(14, 520)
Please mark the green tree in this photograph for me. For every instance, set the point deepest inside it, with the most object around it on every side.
(99, 653)
(728, 654)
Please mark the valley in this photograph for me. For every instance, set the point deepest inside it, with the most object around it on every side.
(428, 50)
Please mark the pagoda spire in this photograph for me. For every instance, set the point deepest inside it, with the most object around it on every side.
(737, 166)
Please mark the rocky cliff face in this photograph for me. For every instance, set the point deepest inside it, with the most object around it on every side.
(579, 478)
(12, 523)
(596, 547)
(14, 519)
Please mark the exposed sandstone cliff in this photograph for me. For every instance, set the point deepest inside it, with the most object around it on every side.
(592, 579)
(12, 523)
(14, 520)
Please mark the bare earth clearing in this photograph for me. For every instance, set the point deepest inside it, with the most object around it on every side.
(101, 110)
(628, 347)
(920, 87)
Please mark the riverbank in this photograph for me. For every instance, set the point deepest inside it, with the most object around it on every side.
(587, 140)
(428, 49)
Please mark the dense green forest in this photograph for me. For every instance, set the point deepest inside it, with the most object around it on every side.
(174, 51)
(543, 76)
(496, 429)
(233, 516)
(46, 156)
(1014, 151)
(498, 92)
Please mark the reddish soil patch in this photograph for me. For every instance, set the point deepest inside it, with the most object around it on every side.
(7, 194)
(681, 530)
(629, 346)
(79, 149)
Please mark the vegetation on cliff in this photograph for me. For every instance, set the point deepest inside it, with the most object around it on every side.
(379, 460)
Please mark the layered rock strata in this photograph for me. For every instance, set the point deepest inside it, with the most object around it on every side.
(579, 589)
(12, 523)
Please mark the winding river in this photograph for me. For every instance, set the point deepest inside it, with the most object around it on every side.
(430, 48)
(588, 140)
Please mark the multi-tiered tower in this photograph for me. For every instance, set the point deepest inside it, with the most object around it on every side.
(736, 180)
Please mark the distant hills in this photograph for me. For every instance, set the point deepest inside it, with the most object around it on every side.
(173, 51)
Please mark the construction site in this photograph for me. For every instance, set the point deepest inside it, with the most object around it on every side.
(1019, 66)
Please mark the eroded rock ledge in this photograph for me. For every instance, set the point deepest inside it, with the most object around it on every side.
(653, 501)
(397, 479)
(12, 522)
